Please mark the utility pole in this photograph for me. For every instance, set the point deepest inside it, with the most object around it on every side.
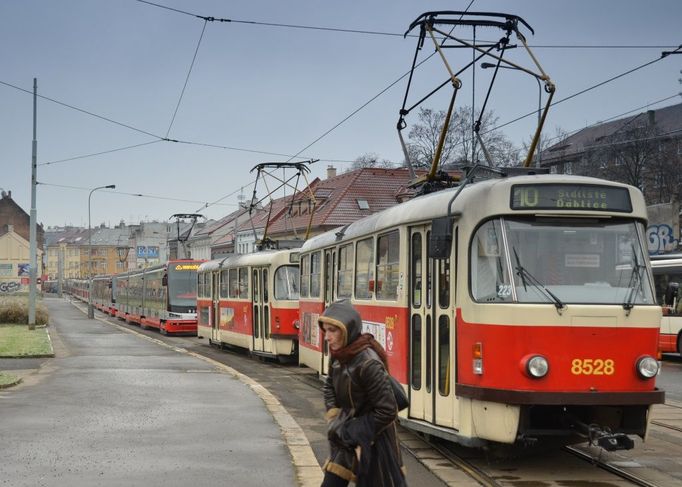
(33, 269)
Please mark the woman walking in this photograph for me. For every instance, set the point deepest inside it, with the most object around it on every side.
(361, 407)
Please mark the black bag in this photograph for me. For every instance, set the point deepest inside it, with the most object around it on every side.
(400, 397)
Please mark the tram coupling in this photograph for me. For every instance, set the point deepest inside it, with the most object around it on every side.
(604, 437)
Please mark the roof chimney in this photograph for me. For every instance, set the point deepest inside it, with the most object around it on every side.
(331, 172)
(652, 116)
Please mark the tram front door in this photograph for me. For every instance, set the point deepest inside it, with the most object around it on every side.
(262, 342)
(430, 375)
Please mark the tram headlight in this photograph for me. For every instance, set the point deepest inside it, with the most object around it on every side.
(647, 367)
(535, 366)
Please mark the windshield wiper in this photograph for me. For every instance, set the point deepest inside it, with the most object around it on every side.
(527, 277)
(635, 282)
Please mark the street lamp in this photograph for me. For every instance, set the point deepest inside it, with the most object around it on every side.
(490, 65)
(91, 311)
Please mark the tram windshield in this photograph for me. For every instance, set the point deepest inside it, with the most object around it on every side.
(182, 287)
(286, 282)
(560, 261)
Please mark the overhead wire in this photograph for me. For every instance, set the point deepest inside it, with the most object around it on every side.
(121, 124)
(99, 153)
(613, 117)
(390, 34)
(140, 195)
(327, 132)
(184, 87)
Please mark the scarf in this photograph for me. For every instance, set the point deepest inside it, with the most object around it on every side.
(364, 341)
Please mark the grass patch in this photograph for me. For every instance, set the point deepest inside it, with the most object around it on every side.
(19, 341)
(6, 379)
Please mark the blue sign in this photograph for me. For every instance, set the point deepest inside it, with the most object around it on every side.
(151, 252)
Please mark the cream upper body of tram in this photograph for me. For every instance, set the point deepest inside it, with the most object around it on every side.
(537, 318)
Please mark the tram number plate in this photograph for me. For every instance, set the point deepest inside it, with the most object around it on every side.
(589, 366)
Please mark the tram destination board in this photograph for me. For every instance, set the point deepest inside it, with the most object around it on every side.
(570, 197)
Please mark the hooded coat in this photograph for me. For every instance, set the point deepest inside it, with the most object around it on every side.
(361, 407)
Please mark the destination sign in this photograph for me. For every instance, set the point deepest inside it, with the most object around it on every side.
(586, 197)
(186, 267)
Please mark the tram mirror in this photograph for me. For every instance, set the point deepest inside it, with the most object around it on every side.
(164, 280)
(672, 293)
(440, 239)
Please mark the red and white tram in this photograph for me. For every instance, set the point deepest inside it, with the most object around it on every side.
(251, 301)
(512, 309)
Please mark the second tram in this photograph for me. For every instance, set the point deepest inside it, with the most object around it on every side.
(251, 301)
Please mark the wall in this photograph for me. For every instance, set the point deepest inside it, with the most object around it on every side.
(663, 232)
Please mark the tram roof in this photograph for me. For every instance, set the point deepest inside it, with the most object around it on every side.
(256, 258)
(433, 205)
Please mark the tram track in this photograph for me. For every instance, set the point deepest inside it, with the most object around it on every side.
(596, 461)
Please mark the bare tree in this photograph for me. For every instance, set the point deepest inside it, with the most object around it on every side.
(460, 142)
(370, 159)
(547, 140)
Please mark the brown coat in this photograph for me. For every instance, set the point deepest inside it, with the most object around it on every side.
(360, 389)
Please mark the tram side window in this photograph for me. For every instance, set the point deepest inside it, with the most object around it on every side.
(388, 247)
(315, 274)
(243, 282)
(305, 276)
(224, 279)
(489, 277)
(364, 269)
(233, 283)
(200, 285)
(344, 285)
(286, 282)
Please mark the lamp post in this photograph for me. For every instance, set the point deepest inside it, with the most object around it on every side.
(537, 150)
(91, 311)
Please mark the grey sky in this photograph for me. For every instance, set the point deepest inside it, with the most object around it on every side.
(272, 89)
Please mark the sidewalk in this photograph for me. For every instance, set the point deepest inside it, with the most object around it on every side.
(115, 408)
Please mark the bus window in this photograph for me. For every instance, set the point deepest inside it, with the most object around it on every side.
(364, 269)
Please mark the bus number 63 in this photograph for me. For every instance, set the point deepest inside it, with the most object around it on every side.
(588, 366)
